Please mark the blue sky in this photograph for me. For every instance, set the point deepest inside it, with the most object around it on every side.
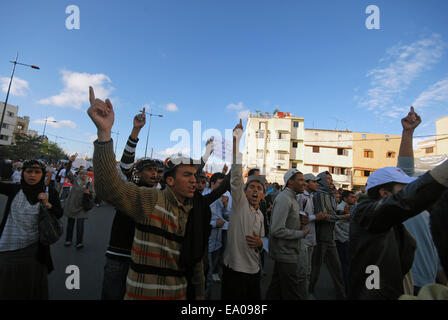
(215, 60)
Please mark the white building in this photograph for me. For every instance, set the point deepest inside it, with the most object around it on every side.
(330, 150)
(9, 123)
(274, 143)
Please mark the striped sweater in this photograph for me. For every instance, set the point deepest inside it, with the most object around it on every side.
(123, 227)
(160, 219)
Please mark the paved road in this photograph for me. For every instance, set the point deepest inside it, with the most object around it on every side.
(91, 260)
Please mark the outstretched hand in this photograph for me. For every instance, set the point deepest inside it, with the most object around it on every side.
(102, 115)
(140, 119)
(411, 121)
(238, 130)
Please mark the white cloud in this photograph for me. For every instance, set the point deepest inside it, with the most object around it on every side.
(233, 106)
(171, 151)
(243, 114)
(57, 124)
(76, 89)
(171, 107)
(19, 87)
(405, 64)
(438, 92)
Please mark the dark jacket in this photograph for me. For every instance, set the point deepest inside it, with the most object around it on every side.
(195, 243)
(11, 190)
(378, 237)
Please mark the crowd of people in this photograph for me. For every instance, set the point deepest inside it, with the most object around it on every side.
(177, 231)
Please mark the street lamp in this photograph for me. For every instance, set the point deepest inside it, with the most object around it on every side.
(9, 87)
(149, 126)
(116, 142)
(46, 119)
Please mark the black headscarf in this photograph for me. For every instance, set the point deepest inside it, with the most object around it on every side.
(32, 191)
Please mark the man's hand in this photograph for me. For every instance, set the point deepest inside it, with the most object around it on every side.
(225, 168)
(87, 191)
(238, 131)
(306, 229)
(304, 219)
(102, 115)
(225, 201)
(411, 121)
(140, 119)
(254, 241)
(219, 223)
(322, 216)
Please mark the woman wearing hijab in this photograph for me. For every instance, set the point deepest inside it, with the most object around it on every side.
(24, 262)
(73, 205)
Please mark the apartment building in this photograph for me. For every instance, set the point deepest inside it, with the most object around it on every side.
(274, 143)
(330, 150)
(372, 151)
(436, 146)
(9, 123)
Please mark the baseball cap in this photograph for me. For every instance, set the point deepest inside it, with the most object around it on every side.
(261, 179)
(387, 175)
(288, 175)
(310, 176)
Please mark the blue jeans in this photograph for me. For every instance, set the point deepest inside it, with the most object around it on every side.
(114, 280)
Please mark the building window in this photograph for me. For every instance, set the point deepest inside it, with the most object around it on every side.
(4, 137)
(279, 167)
(429, 150)
(5, 125)
(20, 127)
(387, 138)
(390, 154)
(11, 114)
(260, 134)
(295, 124)
(365, 173)
(294, 144)
(280, 156)
(279, 135)
(315, 169)
(368, 153)
(364, 136)
(294, 165)
(342, 152)
(315, 149)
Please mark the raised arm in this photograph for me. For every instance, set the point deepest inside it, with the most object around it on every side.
(236, 171)
(125, 196)
(406, 153)
(128, 157)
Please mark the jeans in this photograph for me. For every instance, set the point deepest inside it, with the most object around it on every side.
(213, 258)
(79, 229)
(114, 280)
(343, 251)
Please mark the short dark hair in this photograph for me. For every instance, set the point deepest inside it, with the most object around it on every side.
(216, 176)
(374, 193)
(252, 171)
(346, 193)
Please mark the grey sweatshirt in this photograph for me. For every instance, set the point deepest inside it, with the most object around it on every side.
(285, 234)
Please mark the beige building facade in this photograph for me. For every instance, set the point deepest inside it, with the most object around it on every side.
(372, 151)
(442, 136)
(274, 144)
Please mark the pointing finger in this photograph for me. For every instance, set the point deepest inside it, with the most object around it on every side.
(91, 95)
